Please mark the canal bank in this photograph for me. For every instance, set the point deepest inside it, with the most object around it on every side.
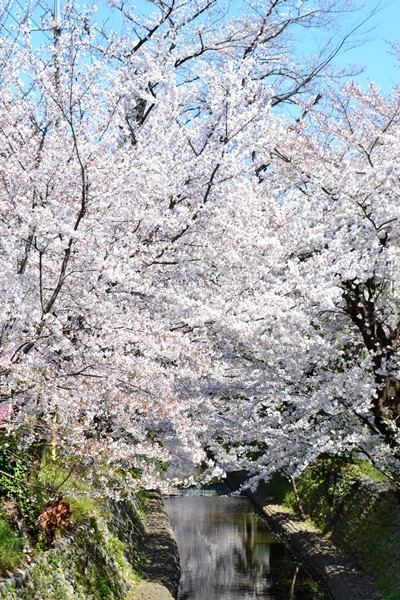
(342, 579)
(120, 553)
(101, 558)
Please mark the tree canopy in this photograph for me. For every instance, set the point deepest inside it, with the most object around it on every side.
(181, 255)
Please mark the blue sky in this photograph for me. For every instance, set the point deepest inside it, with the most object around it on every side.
(380, 67)
(384, 26)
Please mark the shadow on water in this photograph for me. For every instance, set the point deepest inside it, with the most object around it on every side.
(228, 553)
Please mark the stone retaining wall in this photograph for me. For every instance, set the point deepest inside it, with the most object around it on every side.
(366, 526)
(160, 577)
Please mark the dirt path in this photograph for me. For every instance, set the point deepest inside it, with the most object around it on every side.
(342, 579)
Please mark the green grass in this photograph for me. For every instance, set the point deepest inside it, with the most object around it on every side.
(11, 555)
(361, 469)
(59, 474)
(71, 485)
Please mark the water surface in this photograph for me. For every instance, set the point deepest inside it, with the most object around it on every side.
(228, 553)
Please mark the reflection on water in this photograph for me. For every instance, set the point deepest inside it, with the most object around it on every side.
(227, 553)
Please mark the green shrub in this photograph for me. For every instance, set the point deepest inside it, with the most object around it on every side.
(16, 478)
(281, 489)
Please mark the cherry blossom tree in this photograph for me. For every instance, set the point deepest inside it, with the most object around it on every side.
(152, 228)
(314, 330)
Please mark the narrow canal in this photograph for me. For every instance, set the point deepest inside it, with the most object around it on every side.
(228, 553)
